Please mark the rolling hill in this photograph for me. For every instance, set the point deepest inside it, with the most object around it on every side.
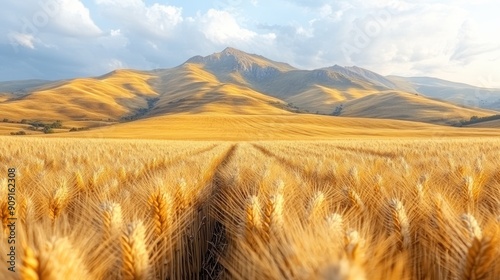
(21, 87)
(230, 85)
(458, 93)
(407, 106)
(111, 96)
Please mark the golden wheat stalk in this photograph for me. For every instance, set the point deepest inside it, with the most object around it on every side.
(28, 211)
(58, 259)
(278, 187)
(135, 259)
(316, 208)
(471, 190)
(399, 222)
(78, 182)
(182, 195)
(480, 257)
(471, 225)
(441, 213)
(353, 198)
(419, 192)
(30, 267)
(379, 185)
(273, 221)
(111, 215)
(335, 222)
(253, 223)
(161, 205)
(354, 176)
(354, 245)
(335, 228)
(58, 201)
(122, 174)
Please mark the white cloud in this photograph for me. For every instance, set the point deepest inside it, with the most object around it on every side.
(453, 39)
(392, 37)
(113, 64)
(165, 17)
(121, 3)
(116, 32)
(470, 44)
(74, 19)
(20, 39)
(155, 20)
(221, 27)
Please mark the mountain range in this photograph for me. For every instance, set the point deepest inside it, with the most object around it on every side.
(233, 82)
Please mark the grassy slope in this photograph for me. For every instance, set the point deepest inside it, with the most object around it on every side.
(110, 96)
(189, 89)
(488, 124)
(405, 106)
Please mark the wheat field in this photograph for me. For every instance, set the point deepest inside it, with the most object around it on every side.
(345, 209)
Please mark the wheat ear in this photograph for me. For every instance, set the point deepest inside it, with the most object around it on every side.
(161, 205)
(58, 201)
(111, 219)
(480, 256)
(472, 226)
(399, 222)
(471, 190)
(316, 207)
(58, 259)
(335, 222)
(353, 245)
(135, 260)
(78, 182)
(253, 222)
(353, 198)
(29, 269)
(273, 221)
(182, 194)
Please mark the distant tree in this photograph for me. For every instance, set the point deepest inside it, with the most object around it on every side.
(37, 124)
(47, 129)
(338, 110)
(5, 120)
(18, 133)
(73, 129)
(56, 124)
(23, 121)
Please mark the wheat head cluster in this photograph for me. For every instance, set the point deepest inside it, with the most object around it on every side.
(358, 209)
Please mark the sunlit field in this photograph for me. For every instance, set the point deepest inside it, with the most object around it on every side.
(346, 209)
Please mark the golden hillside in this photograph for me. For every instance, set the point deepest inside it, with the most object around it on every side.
(221, 90)
(115, 95)
(406, 106)
(488, 124)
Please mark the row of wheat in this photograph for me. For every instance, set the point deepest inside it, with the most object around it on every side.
(105, 209)
(363, 210)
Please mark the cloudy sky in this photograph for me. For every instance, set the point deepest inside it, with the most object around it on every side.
(450, 39)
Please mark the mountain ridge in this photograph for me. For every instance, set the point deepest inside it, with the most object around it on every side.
(233, 82)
